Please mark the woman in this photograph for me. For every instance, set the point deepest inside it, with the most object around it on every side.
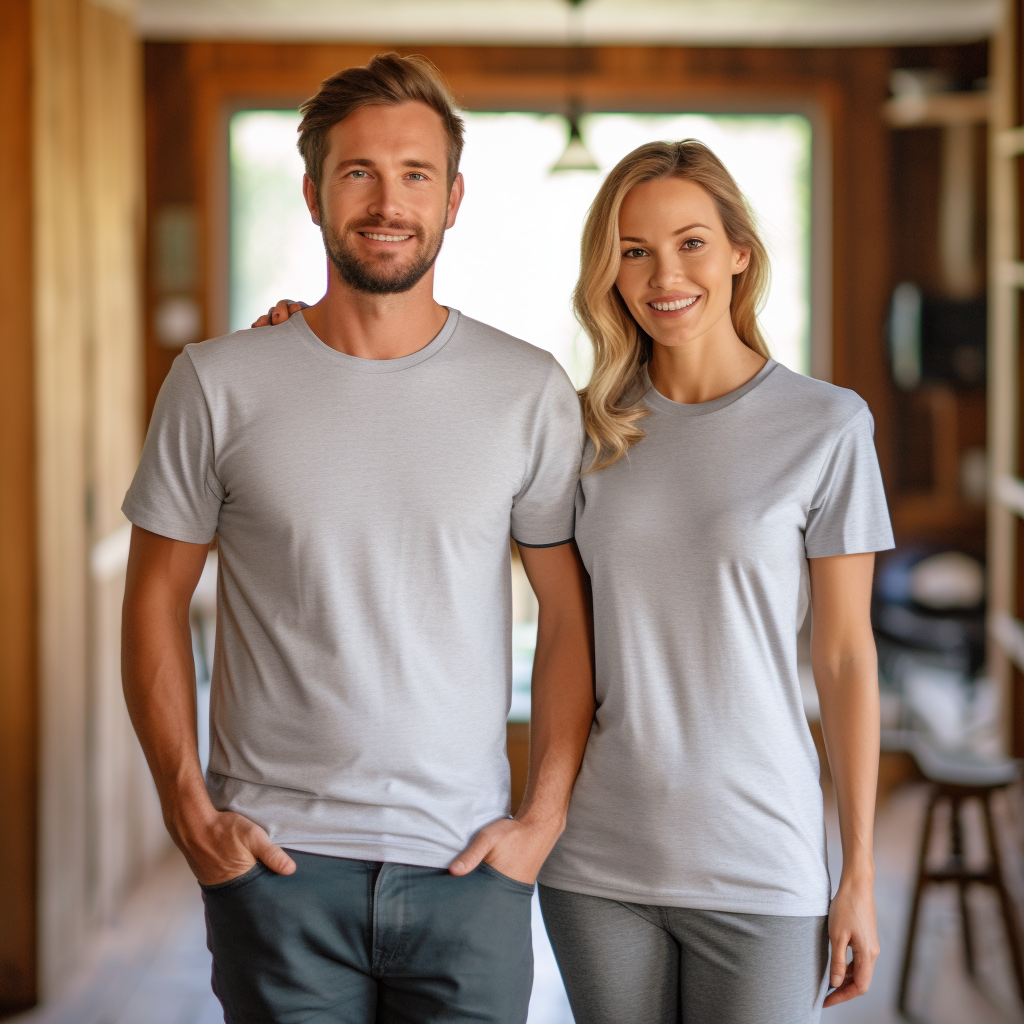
(721, 493)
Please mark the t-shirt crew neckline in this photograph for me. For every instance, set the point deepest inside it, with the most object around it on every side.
(379, 365)
(654, 398)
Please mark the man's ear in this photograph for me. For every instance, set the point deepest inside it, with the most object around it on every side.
(455, 197)
(740, 260)
(312, 199)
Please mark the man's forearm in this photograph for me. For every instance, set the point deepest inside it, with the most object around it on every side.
(157, 666)
(159, 688)
(561, 717)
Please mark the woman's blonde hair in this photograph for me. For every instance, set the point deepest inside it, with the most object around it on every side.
(611, 401)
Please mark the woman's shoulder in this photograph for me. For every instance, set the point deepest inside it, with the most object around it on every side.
(807, 397)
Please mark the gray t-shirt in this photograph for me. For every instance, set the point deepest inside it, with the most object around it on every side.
(362, 673)
(699, 787)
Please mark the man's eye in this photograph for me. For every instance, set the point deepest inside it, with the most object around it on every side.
(358, 174)
(416, 176)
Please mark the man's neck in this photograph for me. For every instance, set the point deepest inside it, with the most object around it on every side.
(376, 326)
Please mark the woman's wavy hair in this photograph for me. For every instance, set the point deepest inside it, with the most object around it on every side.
(611, 401)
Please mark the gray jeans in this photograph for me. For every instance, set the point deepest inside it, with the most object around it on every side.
(358, 942)
(627, 963)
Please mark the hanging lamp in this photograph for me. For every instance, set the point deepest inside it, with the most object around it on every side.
(576, 156)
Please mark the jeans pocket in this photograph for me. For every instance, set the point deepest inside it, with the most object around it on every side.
(523, 887)
(251, 875)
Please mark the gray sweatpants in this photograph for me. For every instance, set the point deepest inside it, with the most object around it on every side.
(625, 963)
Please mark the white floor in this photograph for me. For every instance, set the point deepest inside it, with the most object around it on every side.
(152, 966)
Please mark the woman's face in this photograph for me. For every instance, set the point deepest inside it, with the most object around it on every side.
(677, 264)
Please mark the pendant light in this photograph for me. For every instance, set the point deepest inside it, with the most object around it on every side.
(576, 156)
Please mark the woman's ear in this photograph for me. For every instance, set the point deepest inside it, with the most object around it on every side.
(740, 260)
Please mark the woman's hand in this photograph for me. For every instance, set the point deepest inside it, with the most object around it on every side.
(279, 313)
(851, 925)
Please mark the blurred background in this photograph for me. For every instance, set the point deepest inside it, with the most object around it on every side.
(149, 198)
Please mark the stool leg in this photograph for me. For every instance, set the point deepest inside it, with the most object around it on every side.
(957, 860)
(1012, 936)
(915, 906)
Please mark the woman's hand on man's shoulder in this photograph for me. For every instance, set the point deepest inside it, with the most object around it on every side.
(277, 314)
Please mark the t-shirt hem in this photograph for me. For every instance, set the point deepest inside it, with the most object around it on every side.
(549, 544)
(769, 907)
(154, 524)
(360, 849)
(862, 548)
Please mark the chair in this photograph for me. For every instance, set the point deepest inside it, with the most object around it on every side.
(957, 778)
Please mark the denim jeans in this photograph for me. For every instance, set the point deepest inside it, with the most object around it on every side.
(357, 942)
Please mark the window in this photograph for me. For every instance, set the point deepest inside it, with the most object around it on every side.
(511, 260)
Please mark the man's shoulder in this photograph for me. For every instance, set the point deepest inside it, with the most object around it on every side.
(484, 342)
(253, 347)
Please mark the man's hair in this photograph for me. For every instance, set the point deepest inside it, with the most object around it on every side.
(387, 79)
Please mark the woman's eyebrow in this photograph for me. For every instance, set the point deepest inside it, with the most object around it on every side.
(679, 231)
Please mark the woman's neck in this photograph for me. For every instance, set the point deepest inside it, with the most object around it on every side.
(704, 368)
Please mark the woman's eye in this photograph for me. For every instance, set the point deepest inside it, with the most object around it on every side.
(634, 253)
(693, 244)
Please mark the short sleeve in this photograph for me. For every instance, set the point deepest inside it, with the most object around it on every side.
(175, 492)
(848, 513)
(543, 511)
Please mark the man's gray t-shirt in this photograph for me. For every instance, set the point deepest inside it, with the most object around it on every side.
(363, 508)
(699, 787)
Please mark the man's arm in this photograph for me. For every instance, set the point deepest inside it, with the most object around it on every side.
(560, 720)
(845, 666)
(158, 674)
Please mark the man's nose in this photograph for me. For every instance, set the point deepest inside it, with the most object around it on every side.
(385, 202)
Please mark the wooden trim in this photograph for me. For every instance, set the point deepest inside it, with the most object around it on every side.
(1003, 345)
(18, 666)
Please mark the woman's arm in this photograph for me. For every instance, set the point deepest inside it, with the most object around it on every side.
(845, 666)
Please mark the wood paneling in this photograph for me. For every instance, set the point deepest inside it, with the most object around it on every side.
(100, 822)
(18, 719)
(125, 828)
(60, 349)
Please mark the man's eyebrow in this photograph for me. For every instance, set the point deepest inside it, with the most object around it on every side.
(679, 231)
(361, 161)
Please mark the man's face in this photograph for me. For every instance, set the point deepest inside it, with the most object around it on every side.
(384, 201)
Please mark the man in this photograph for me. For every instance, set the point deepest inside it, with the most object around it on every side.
(363, 466)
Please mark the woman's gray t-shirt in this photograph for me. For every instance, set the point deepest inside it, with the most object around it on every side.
(362, 675)
(699, 787)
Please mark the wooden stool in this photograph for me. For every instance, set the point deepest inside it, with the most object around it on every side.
(957, 778)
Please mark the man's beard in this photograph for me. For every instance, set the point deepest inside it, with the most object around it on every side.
(380, 275)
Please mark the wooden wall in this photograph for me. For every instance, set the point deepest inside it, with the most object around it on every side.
(72, 410)
(18, 719)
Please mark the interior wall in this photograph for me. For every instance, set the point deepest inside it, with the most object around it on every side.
(18, 679)
(100, 822)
